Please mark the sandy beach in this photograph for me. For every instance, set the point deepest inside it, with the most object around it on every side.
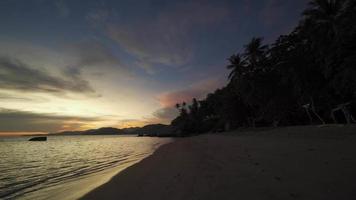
(285, 163)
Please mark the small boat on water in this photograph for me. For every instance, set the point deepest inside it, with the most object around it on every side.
(38, 139)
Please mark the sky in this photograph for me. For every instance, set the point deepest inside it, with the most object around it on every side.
(82, 64)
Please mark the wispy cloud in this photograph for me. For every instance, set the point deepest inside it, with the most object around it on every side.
(168, 38)
(62, 8)
(16, 75)
(98, 17)
(93, 53)
(5, 96)
(24, 121)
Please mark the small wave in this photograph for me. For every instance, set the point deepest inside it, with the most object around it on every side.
(30, 169)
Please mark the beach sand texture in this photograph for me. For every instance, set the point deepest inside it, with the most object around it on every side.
(285, 163)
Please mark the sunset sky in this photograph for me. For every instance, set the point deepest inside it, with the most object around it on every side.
(80, 64)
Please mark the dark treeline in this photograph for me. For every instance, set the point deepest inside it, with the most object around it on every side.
(305, 77)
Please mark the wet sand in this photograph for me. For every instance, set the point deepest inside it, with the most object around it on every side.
(284, 163)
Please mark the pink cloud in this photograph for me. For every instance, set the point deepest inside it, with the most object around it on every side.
(198, 90)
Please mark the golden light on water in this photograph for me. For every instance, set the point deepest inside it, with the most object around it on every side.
(21, 133)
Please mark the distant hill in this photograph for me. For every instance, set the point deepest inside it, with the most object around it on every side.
(160, 130)
(131, 130)
(99, 131)
(105, 131)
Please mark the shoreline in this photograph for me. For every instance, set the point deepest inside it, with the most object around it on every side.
(76, 180)
(284, 163)
(96, 180)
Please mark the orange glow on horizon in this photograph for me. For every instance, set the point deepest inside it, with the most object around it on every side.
(21, 133)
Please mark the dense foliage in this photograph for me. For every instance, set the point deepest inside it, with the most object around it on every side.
(303, 77)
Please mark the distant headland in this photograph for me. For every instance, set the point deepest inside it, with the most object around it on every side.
(159, 130)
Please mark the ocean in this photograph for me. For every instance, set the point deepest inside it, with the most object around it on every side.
(66, 167)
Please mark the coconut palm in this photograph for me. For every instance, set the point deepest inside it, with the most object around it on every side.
(237, 65)
(325, 15)
(255, 52)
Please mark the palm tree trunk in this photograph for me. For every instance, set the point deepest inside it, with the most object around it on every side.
(309, 116)
(315, 113)
(353, 119)
(333, 116)
(347, 115)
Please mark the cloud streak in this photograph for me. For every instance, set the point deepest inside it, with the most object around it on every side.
(62, 8)
(93, 53)
(168, 37)
(16, 75)
(21, 98)
(24, 121)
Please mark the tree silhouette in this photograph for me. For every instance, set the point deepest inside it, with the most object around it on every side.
(303, 77)
(237, 66)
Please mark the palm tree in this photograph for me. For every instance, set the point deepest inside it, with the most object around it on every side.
(184, 104)
(255, 52)
(237, 65)
(324, 16)
(245, 72)
(324, 28)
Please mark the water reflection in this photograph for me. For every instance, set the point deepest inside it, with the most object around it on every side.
(30, 167)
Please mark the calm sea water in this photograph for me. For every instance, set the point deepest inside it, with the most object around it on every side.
(66, 167)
